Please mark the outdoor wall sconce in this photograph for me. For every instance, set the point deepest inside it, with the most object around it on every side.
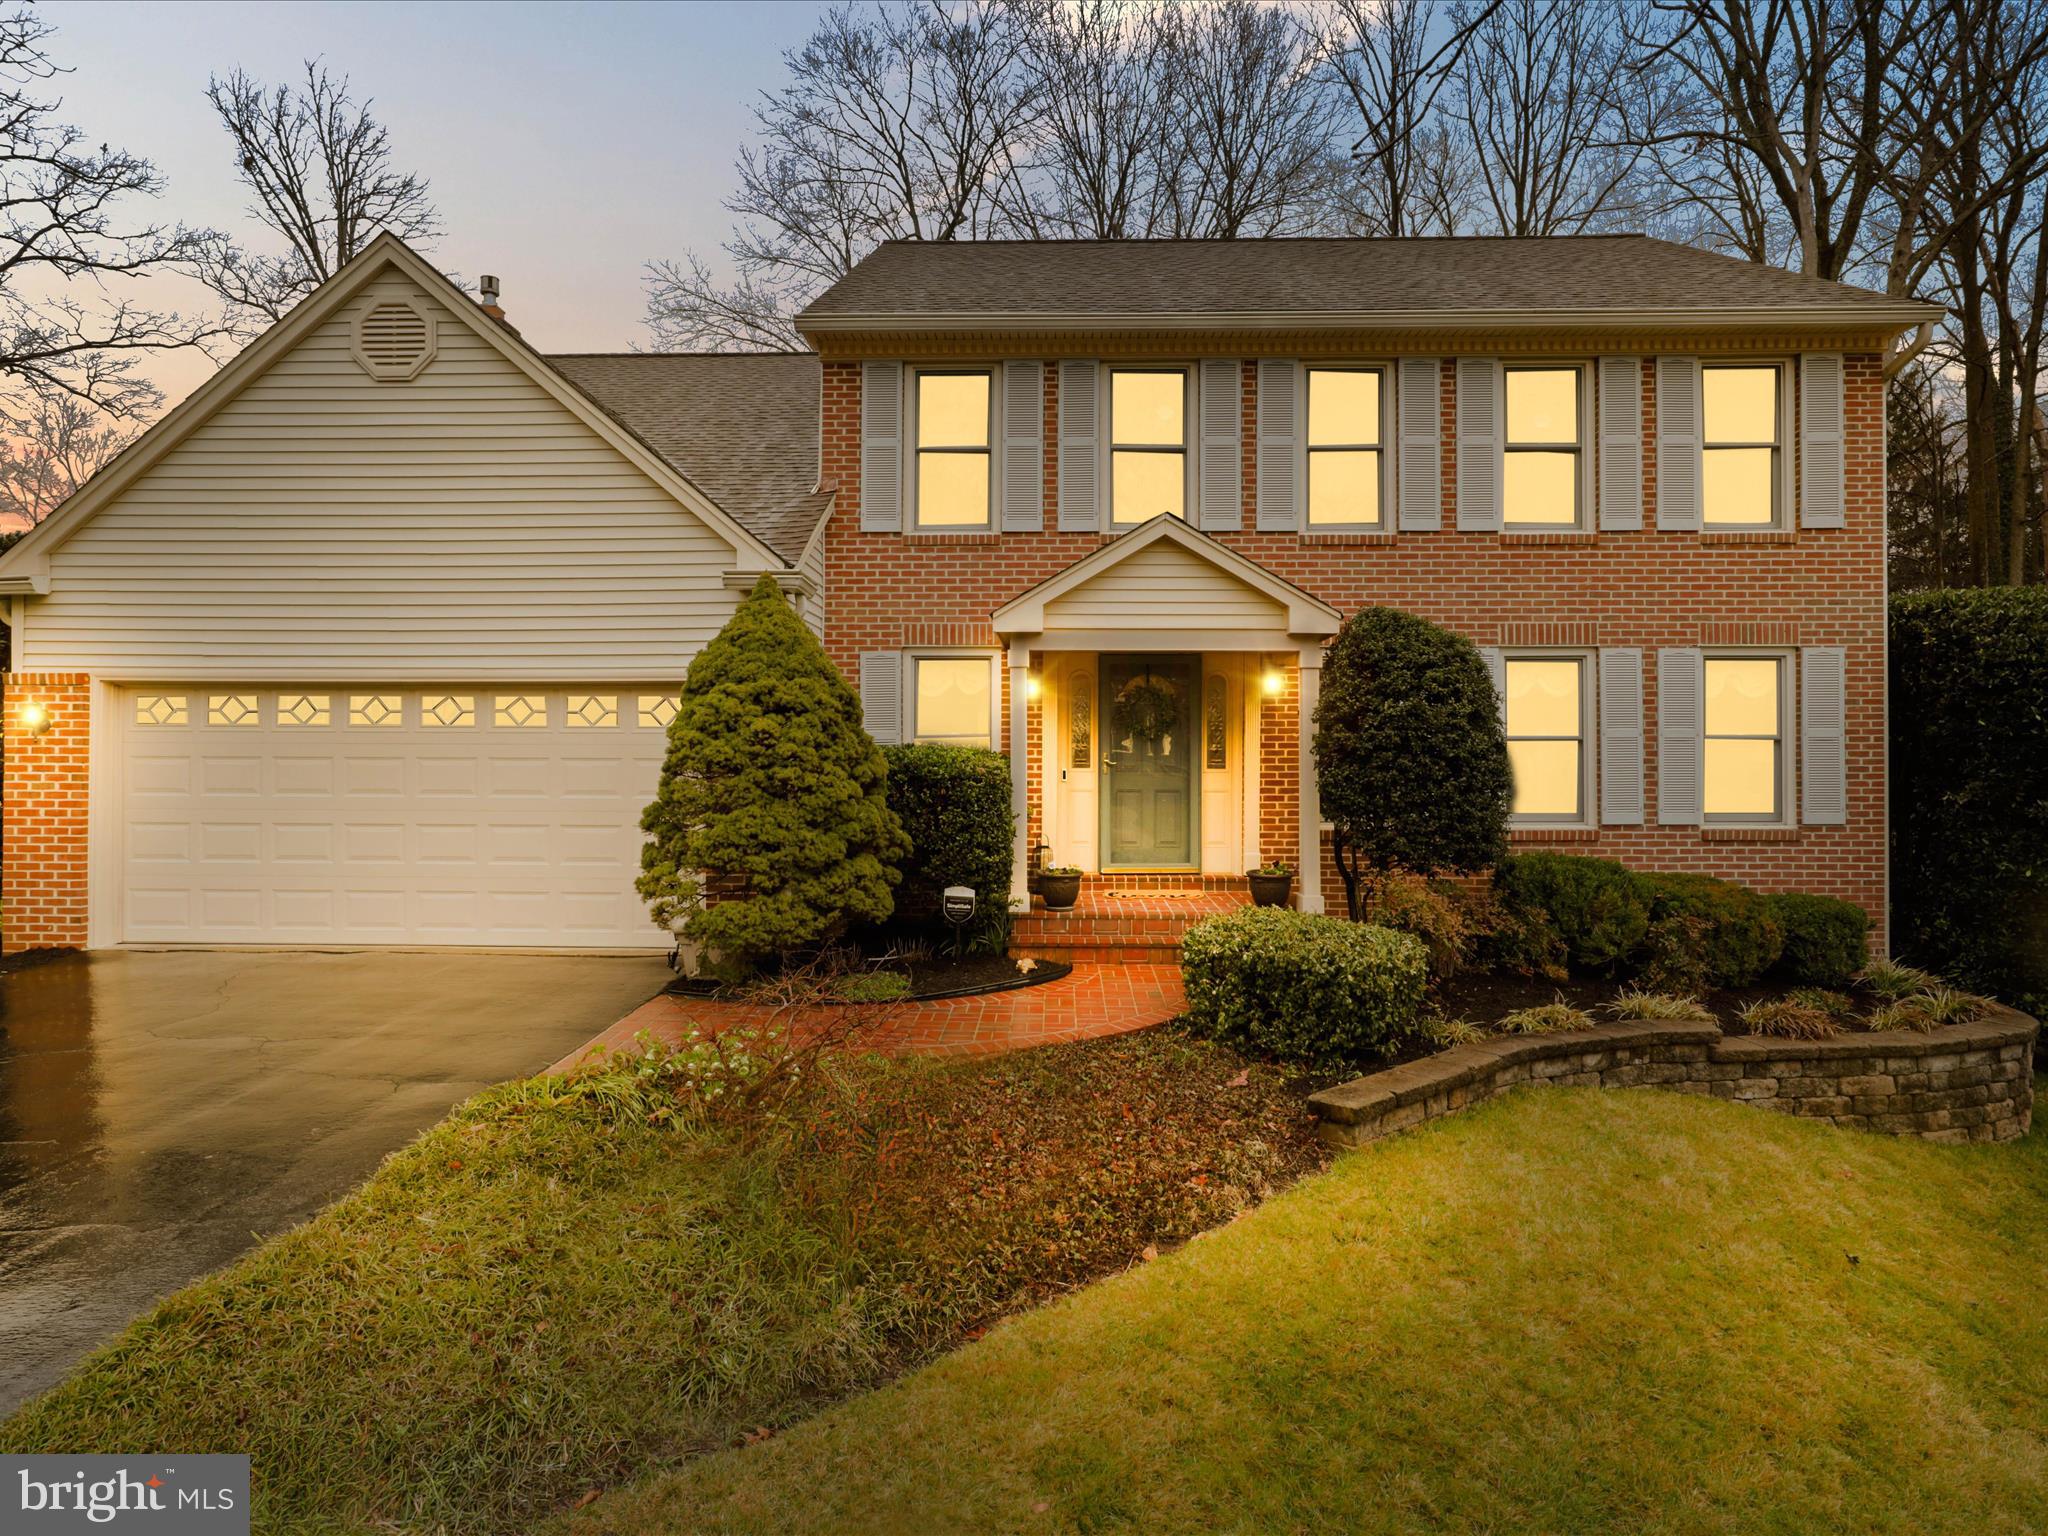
(35, 719)
(1031, 685)
(1270, 683)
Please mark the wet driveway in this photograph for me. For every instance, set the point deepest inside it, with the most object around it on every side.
(160, 1113)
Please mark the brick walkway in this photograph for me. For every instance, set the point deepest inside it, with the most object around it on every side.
(1096, 1000)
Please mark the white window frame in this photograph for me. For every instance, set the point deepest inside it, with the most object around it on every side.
(1788, 717)
(1582, 500)
(1386, 449)
(913, 415)
(1781, 476)
(1190, 441)
(1589, 729)
(954, 653)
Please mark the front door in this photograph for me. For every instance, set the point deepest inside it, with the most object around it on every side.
(1150, 791)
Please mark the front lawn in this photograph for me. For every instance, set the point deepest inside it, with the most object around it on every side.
(1568, 1311)
(552, 1291)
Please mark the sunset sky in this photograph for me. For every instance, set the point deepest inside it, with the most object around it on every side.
(566, 145)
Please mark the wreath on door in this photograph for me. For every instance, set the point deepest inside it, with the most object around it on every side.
(1147, 707)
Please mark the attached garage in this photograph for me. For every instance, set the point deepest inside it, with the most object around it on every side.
(374, 640)
(507, 817)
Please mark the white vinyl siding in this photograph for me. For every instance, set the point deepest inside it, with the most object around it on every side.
(1165, 588)
(461, 524)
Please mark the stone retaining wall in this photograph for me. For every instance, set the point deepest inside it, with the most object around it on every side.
(1964, 1082)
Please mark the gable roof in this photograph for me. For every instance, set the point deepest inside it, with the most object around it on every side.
(25, 567)
(1436, 281)
(1306, 613)
(743, 426)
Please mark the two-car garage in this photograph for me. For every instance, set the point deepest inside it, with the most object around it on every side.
(396, 815)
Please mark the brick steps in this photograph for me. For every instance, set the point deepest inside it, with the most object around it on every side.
(1117, 922)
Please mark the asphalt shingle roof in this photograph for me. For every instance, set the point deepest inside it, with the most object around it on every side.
(1315, 276)
(742, 427)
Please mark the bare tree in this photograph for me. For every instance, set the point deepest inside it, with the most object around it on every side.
(1414, 177)
(321, 169)
(1537, 95)
(54, 442)
(895, 124)
(67, 245)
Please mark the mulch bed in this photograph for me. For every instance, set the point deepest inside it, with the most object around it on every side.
(933, 977)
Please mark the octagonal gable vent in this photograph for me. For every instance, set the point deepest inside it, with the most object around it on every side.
(394, 339)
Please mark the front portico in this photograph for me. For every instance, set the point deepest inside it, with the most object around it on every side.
(1162, 690)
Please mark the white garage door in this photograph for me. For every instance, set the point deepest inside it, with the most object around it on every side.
(322, 816)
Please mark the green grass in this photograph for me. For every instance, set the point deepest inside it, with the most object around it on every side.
(546, 1293)
(1568, 1311)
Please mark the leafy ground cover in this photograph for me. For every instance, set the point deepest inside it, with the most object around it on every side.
(554, 1289)
(1566, 1311)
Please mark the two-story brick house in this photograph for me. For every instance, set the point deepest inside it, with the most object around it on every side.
(1110, 500)
(374, 639)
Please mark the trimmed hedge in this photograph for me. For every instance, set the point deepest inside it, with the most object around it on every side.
(1741, 938)
(1600, 909)
(1303, 988)
(1969, 788)
(954, 802)
(1827, 940)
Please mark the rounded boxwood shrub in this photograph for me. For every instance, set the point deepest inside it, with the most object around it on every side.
(1740, 937)
(1304, 988)
(1600, 909)
(954, 803)
(1827, 940)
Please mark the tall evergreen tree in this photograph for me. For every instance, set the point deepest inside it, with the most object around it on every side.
(773, 791)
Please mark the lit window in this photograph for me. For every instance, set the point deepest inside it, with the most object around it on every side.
(448, 709)
(160, 709)
(304, 709)
(1739, 472)
(1148, 457)
(1540, 465)
(520, 711)
(952, 450)
(1744, 738)
(955, 700)
(231, 709)
(657, 710)
(594, 709)
(375, 709)
(1343, 446)
(1546, 730)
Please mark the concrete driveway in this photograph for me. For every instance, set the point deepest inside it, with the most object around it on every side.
(162, 1112)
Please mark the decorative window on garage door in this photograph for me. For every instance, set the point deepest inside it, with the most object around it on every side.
(375, 709)
(161, 709)
(521, 711)
(304, 709)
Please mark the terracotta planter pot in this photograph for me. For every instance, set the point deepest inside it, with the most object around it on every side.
(1060, 891)
(1269, 890)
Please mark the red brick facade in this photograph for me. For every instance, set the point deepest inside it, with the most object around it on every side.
(1650, 589)
(42, 840)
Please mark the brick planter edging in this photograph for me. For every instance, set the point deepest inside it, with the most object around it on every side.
(1963, 1082)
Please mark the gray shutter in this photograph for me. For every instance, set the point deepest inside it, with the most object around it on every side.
(1823, 753)
(1222, 485)
(881, 695)
(881, 447)
(1023, 447)
(1279, 455)
(1621, 446)
(1497, 669)
(1621, 736)
(1678, 443)
(1822, 502)
(1420, 467)
(1479, 439)
(1080, 484)
(1681, 729)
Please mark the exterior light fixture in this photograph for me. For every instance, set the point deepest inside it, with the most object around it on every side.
(1271, 682)
(1031, 686)
(35, 719)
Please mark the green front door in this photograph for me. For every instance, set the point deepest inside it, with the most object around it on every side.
(1150, 787)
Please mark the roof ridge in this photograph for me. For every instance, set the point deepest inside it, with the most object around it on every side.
(1227, 240)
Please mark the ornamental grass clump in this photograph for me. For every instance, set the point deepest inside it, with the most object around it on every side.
(1888, 981)
(1552, 1018)
(1634, 1003)
(1786, 1020)
(1313, 990)
(1930, 1010)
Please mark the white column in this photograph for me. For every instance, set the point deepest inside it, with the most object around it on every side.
(1309, 866)
(1020, 776)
